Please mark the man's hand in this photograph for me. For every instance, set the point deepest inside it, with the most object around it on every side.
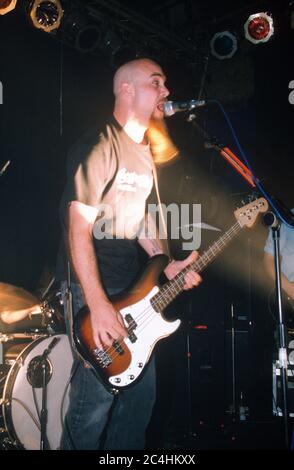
(192, 279)
(107, 325)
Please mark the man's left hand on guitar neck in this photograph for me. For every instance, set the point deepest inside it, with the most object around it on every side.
(192, 279)
(153, 245)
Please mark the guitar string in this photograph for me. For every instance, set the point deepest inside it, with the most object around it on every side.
(225, 239)
(141, 319)
(205, 259)
(167, 290)
(209, 255)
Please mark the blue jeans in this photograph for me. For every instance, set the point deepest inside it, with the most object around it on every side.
(97, 419)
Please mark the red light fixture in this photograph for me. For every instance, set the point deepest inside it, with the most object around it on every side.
(259, 28)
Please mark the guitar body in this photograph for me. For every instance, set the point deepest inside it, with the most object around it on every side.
(120, 365)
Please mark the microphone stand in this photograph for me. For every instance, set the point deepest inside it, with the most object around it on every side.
(248, 176)
(39, 373)
(44, 411)
(283, 359)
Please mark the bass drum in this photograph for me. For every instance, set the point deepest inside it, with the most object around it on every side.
(22, 396)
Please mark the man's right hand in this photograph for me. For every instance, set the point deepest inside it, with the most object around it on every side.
(107, 325)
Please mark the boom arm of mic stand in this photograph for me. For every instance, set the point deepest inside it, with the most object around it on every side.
(282, 212)
(226, 153)
(237, 164)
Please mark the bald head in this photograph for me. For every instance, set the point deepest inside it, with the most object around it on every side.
(140, 91)
(127, 73)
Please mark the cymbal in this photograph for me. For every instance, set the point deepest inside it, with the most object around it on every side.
(16, 303)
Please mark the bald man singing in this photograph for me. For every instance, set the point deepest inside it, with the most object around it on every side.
(110, 176)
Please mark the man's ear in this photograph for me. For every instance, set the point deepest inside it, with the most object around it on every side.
(128, 88)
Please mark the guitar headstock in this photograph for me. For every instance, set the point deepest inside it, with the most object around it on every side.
(248, 214)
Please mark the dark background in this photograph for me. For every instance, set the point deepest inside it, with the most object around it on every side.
(53, 92)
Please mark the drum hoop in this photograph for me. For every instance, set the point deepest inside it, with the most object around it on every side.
(8, 388)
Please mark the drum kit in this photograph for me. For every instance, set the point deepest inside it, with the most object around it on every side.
(35, 367)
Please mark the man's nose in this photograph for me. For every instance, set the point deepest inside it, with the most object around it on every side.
(165, 91)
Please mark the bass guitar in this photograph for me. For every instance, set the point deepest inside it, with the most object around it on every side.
(142, 306)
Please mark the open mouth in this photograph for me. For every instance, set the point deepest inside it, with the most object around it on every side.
(160, 106)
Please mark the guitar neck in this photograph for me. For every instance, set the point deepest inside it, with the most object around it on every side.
(170, 290)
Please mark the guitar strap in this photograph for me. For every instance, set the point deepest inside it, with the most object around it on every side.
(163, 221)
(69, 306)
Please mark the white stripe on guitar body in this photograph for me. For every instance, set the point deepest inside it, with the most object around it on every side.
(151, 327)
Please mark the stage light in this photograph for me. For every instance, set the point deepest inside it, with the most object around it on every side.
(6, 6)
(46, 15)
(259, 28)
(88, 38)
(223, 45)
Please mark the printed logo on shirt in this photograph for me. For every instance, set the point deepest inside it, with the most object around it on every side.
(130, 180)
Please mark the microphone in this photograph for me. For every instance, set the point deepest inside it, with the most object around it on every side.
(172, 107)
(39, 364)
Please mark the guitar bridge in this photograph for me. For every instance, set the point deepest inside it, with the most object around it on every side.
(102, 357)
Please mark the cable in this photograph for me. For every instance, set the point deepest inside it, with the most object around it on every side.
(28, 411)
(64, 422)
(256, 181)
